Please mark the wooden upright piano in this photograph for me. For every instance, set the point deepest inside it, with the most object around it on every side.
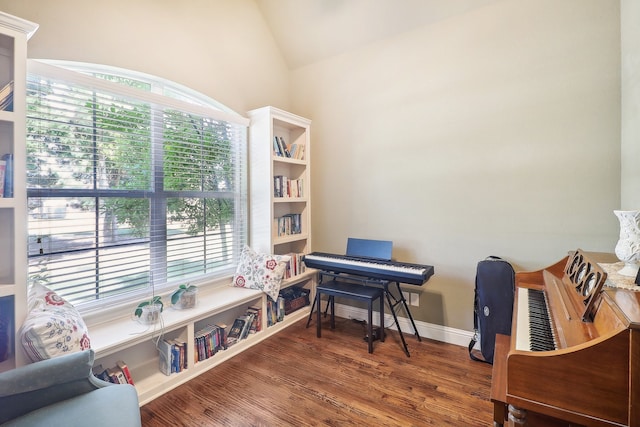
(573, 357)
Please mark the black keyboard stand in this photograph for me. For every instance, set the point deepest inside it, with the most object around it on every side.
(392, 301)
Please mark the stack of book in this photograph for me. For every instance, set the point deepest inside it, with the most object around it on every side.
(286, 187)
(289, 224)
(275, 311)
(119, 374)
(295, 265)
(256, 324)
(249, 323)
(173, 356)
(209, 340)
(292, 151)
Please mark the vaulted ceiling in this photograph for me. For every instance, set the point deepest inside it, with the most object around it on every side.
(308, 31)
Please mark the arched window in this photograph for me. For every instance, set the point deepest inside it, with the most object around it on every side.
(132, 182)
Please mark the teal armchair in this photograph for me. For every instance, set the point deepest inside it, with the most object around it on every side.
(63, 392)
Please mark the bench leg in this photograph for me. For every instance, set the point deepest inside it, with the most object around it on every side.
(315, 301)
(319, 317)
(382, 334)
(333, 311)
(370, 324)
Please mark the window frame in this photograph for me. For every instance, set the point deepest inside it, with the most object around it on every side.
(197, 104)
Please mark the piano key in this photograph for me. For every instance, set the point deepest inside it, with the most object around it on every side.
(533, 328)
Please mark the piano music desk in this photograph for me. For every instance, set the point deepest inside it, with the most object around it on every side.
(336, 288)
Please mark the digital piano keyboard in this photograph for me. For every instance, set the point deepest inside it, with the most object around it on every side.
(414, 274)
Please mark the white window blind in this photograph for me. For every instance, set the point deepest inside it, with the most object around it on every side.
(128, 188)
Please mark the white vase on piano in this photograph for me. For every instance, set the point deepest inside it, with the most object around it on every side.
(628, 247)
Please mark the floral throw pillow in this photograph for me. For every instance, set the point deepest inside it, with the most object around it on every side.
(260, 271)
(53, 326)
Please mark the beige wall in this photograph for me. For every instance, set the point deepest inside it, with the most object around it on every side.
(630, 30)
(221, 48)
(496, 132)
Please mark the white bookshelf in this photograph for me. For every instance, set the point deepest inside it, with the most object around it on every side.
(266, 207)
(135, 343)
(267, 123)
(14, 34)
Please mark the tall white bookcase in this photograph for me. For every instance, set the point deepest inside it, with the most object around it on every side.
(279, 187)
(14, 33)
(266, 208)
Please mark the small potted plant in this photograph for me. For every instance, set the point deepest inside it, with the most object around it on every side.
(149, 311)
(185, 297)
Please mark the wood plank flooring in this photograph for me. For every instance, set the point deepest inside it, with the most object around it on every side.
(296, 379)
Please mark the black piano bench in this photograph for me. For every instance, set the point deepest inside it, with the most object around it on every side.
(336, 288)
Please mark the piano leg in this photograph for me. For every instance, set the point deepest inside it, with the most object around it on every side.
(517, 416)
(406, 308)
(392, 307)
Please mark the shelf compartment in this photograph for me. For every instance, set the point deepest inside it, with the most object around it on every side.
(295, 243)
(226, 319)
(293, 135)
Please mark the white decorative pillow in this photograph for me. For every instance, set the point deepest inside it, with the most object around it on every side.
(260, 271)
(53, 326)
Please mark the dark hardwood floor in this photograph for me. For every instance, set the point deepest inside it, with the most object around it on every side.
(296, 379)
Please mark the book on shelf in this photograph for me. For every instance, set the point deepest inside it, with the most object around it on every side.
(125, 370)
(286, 187)
(288, 224)
(8, 175)
(116, 375)
(256, 325)
(277, 150)
(221, 333)
(6, 97)
(181, 346)
(237, 329)
(175, 358)
(248, 319)
(292, 151)
(272, 312)
(3, 167)
(280, 309)
(208, 341)
(296, 151)
(204, 339)
(277, 186)
(295, 265)
(283, 147)
(6, 327)
(165, 353)
(100, 373)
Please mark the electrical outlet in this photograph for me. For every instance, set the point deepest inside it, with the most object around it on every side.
(406, 295)
(415, 299)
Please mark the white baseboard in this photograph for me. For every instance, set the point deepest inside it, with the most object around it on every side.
(426, 330)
